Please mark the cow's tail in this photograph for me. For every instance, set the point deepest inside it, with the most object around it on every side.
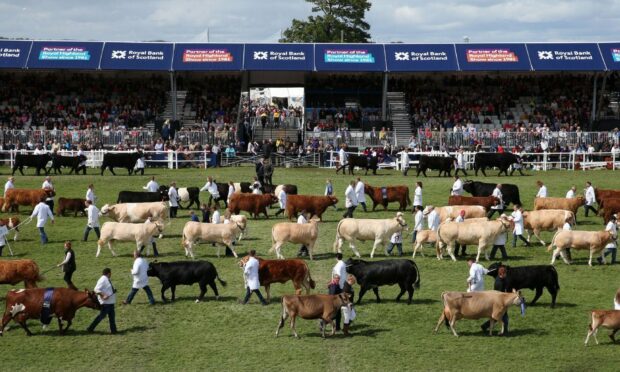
(222, 282)
(336, 242)
(408, 198)
(416, 284)
(273, 240)
(311, 282)
(445, 316)
(40, 276)
(556, 282)
(550, 247)
(183, 240)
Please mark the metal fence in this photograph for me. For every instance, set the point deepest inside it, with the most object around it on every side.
(354, 139)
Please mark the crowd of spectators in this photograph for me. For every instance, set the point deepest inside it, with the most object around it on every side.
(214, 99)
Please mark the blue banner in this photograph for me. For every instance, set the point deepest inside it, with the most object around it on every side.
(280, 57)
(349, 57)
(208, 57)
(566, 57)
(13, 54)
(65, 55)
(137, 56)
(492, 57)
(416, 57)
(611, 55)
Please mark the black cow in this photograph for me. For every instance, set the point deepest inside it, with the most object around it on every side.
(193, 196)
(176, 273)
(73, 162)
(142, 196)
(510, 192)
(443, 164)
(121, 160)
(369, 275)
(29, 160)
(503, 161)
(533, 277)
(362, 161)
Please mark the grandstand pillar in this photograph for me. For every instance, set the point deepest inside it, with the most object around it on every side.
(384, 97)
(593, 113)
(173, 94)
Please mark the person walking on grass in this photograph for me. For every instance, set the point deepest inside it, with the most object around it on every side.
(68, 265)
(43, 213)
(93, 220)
(106, 293)
(140, 279)
(350, 200)
(517, 218)
(590, 199)
(173, 197)
(360, 194)
(251, 278)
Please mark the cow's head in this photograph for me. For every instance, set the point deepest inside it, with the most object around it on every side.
(468, 185)
(105, 209)
(159, 224)
(506, 223)
(92, 300)
(163, 192)
(334, 200)
(49, 192)
(153, 269)
(518, 300)
(243, 261)
(345, 299)
(367, 188)
(273, 199)
(400, 218)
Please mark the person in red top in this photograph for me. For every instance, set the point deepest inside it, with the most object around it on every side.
(500, 149)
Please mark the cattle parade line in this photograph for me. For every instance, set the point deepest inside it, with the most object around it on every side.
(184, 332)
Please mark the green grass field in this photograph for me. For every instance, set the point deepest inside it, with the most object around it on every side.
(223, 335)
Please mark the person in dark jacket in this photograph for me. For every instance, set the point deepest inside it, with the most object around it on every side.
(500, 285)
(206, 213)
(260, 171)
(68, 265)
(333, 288)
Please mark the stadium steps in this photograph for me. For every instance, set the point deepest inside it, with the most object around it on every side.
(181, 95)
(261, 134)
(399, 115)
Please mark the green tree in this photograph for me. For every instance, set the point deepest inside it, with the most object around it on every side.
(330, 19)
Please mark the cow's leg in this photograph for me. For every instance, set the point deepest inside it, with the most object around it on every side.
(164, 287)
(554, 293)
(295, 331)
(219, 247)
(410, 291)
(232, 248)
(173, 289)
(539, 291)
(60, 331)
(483, 171)
(112, 171)
(480, 248)
(352, 246)
(376, 290)
(451, 251)
(282, 320)
(363, 290)
(590, 260)
(416, 246)
(402, 291)
(491, 325)
(214, 288)
(99, 244)
(537, 235)
(612, 335)
(5, 320)
(452, 322)
(203, 291)
(110, 248)
(374, 246)
(442, 319)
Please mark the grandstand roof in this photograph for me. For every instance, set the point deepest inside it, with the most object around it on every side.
(84, 55)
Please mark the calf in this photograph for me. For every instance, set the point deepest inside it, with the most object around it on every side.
(380, 231)
(321, 306)
(72, 205)
(254, 204)
(384, 195)
(305, 234)
(281, 271)
(476, 305)
(609, 319)
(609, 207)
(369, 275)
(314, 205)
(141, 233)
(15, 271)
(594, 241)
(533, 277)
(171, 274)
(213, 233)
(422, 237)
(442, 163)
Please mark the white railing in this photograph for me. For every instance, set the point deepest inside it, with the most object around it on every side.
(353, 138)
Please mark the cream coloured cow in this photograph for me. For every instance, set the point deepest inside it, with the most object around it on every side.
(212, 233)
(453, 211)
(476, 305)
(378, 230)
(482, 233)
(545, 220)
(568, 204)
(594, 241)
(430, 236)
(242, 222)
(136, 212)
(306, 234)
(141, 233)
(603, 318)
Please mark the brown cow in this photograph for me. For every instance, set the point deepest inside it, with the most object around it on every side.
(31, 197)
(252, 203)
(14, 209)
(15, 271)
(315, 205)
(485, 201)
(609, 207)
(319, 306)
(12, 223)
(24, 304)
(75, 205)
(567, 204)
(281, 271)
(601, 194)
(384, 195)
(603, 318)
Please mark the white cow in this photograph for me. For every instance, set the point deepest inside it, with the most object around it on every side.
(136, 212)
(212, 233)
(242, 222)
(380, 231)
(292, 232)
(545, 220)
(481, 233)
(453, 211)
(594, 241)
(141, 233)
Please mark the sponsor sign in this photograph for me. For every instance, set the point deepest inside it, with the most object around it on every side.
(492, 57)
(137, 56)
(556, 57)
(65, 54)
(349, 57)
(415, 57)
(287, 57)
(611, 55)
(13, 54)
(208, 57)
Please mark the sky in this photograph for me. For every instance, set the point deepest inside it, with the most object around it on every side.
(412, 21)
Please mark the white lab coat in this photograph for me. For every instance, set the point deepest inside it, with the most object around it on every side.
(570, 194)
(611, 226)
(498, 194)
(542, 192)
(350, 197)
(397, 238)
(457, 188)
(43, 213)
(590, 196)
(152, 186)
(359, 192)
(105, 286)
(211, 187)
(282, 199)
(174, 197)
(90, 195)
(342, 156)
(7, 186)
(250, 273)
(215, 217)
(3, 233)
(567, 227)
(93, 216)
(500, 239)
(417, 196)
(140, 163)
(231, 191)
(616, 305)
(404, 160)
(340, 269)
(48, 185)
(476, 277)
(432, 220)
(517, 218)
(418, 221)
(460, 160)
(140, 278)
(301, 219)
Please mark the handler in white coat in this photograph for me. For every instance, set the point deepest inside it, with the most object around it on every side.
(517, 232)
(417, 195)
(140, 279)
(475, 281)
(173, 195)
(590, 198)
(360, 194)
(211, 187)
(350, 200)
(252, 282)
(152, 185)
(457, 187)
(570, 194)
(43, 213)
(281, 201)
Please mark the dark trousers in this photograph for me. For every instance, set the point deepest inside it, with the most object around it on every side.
(106, 310)
(405, 170)
(155, 253)
(133, 292)
(364, 206)
(43, 235)
(303, 251)
(514, 240)
(612, 252)
(68, 279)
(87, 230)
(589, 207)
(502, 249)
(398, 246)
(487, 324)
(50, 203)
(463, 248)
(349, 212)
(456, 172)
(248, 292)
(492, 212)
(1, 248)
(141, 170)
(173, 212)
(414, 236)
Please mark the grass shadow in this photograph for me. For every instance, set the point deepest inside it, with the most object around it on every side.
(511, 333)
(209, 297)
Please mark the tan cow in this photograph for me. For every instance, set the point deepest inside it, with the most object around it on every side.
(141, 233)
(208, 232)
(136, 212)
(318, 306)
(242, 222)
(306, 234)
(453, 211)
(15, 271)
(609, 319)
(476, 305)
(567, 204)
(422, 237)
(481, 233)
(380, 231)
(545, 220)
(594, 241)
